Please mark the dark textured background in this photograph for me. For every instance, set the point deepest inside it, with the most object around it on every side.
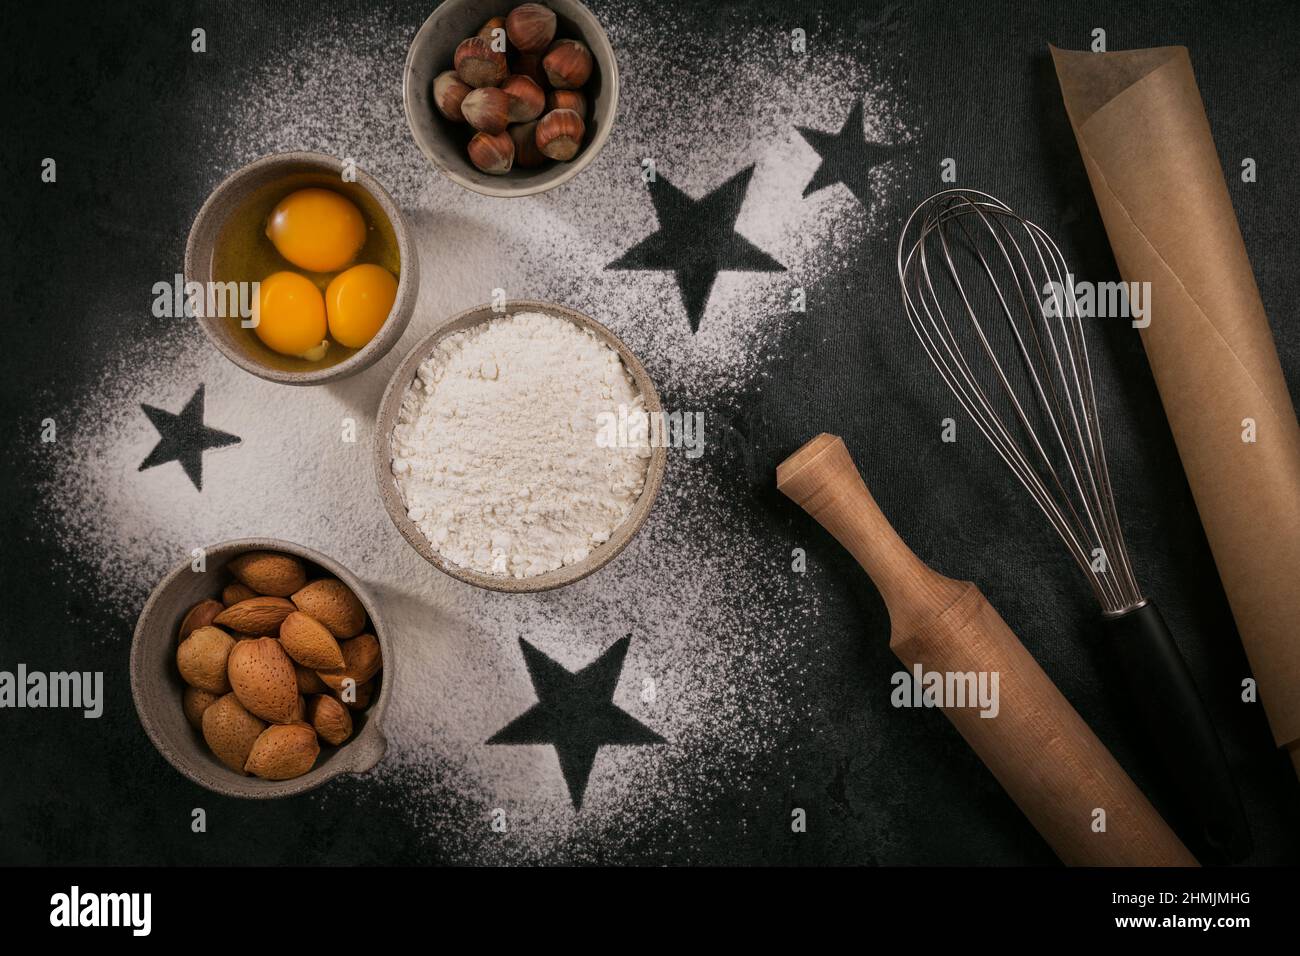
(102, 90)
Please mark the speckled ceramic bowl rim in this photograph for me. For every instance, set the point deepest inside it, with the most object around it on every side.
(609, 75)
(408, 283)
(391, 403)
(359, 755)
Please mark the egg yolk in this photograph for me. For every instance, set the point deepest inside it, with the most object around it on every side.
(358, 301)
(317, 229)
(291, 315)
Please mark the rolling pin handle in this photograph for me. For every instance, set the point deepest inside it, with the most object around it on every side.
(823, 480)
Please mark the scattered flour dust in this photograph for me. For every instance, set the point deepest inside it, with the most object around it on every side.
(498, 451)
(695, 588)
(702, 103)
(714, 657)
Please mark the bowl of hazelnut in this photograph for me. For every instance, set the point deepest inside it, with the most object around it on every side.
(510, 99)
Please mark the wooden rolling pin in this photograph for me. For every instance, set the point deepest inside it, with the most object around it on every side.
(1038, 747)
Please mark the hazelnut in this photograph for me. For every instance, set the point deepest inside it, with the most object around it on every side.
(567, 64)
(527, 155)
(559, 134)
(530, 27)
(488, 32)
(448, 92)
(487, 109)
(567, 100)
(494, 153)
(526, 98)
(529, 65)
(478, 64)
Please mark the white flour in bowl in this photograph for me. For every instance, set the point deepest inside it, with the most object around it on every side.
(497, 448)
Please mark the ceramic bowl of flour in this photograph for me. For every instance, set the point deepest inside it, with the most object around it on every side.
(156, 684)
(507, 450)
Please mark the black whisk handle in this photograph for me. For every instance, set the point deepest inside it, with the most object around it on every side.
(1180, 732)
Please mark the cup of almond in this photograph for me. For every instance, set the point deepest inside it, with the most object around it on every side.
(257, 669)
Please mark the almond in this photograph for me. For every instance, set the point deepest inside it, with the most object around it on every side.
(330, 718)
(362, 696)
(201, 659)
(308, 682)
(361, 661)
(332, 602)
(310, 643)
(200, 615)
(257, 615)
(230, 731)
(283, 751)
(263, 679)
(234, 592)
(359, 697)
(194, 702)
(268, 572)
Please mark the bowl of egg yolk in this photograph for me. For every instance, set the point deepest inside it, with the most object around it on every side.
(307, 269)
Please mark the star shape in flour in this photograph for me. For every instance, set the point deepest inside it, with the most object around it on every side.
(697, 239)
(847, 157)
(575, 713)
(184, 438)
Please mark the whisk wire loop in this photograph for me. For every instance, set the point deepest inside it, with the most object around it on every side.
(1039, 414)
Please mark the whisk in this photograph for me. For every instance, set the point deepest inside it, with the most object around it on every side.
(994, 304)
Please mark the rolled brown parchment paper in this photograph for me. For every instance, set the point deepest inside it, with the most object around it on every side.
(1146, 144)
